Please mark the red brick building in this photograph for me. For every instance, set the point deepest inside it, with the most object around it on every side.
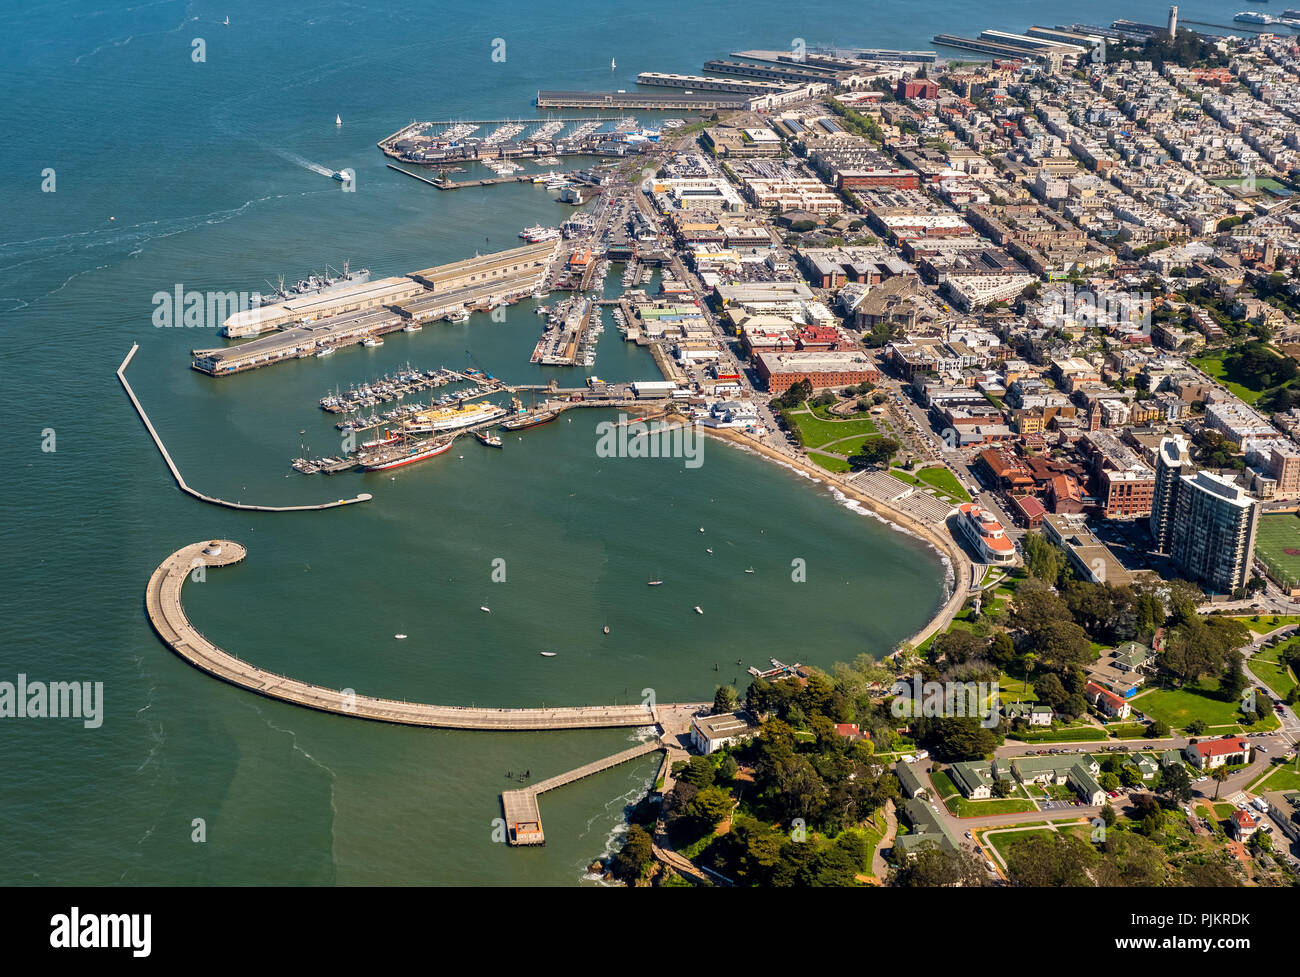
(917, 88)
(781, 371)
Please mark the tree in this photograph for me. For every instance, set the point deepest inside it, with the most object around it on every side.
(1157, 729)
(1050, 690)
(930, 866)
(1176, 784)
(708, 808)
(724, 700)
(634, 857)
(1130, 776)
(1109, 781)
(698, 772)
(1220, 774)
(1108, 815)
(1047, 859)
(875, 450)
(1043, 560)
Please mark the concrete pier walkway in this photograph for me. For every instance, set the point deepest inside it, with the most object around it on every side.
(524, 819)
(180, 481)
(163, 605)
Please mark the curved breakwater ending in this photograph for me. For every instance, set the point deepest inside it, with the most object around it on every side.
(166, 614)
(180, 481)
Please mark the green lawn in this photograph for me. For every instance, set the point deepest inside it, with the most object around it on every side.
(1272, 672)
(1070, 734)
(936, 477)
(943, 786)
(1178, 707)
(1270, 622)
(1282, 777)
(963, 808)
(1212, 363)
(829, 463)
(817, 432)
(1004, 842)
(1127, 731)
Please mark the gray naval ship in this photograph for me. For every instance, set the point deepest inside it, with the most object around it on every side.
(315, 284)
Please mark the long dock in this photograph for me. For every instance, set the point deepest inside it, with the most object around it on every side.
(523, 817)
(167, 616)
(180, 481)
(416, 176)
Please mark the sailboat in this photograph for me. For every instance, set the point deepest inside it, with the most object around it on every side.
(226, 22)
(338, 120)
(612, 65)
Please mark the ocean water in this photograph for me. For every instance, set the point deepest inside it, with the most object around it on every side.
(209, 174)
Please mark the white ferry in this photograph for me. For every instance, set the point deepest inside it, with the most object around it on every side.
(986, 534)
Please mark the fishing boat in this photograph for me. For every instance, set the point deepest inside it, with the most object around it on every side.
(750, 570)
(653, 583)
(701, 529)
(412, 327)
(488, 439)
(697, 609)
(399, 637)
(325, 351)
(486, 610)
(607, 629)
(370, 342)
(709, 551)
(548, 654)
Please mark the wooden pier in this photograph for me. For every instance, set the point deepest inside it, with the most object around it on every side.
(167, 616)
(180, 482)
(524, 819)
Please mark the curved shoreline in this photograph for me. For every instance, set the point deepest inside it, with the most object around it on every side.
(948, 548)
(168, 618)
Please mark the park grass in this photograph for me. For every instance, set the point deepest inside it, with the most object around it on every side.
(1270, 670)
(1212, 363)
(964, 808)
(1178, 707)
(943, 786)
(1069, 734)
(1269, 622)
(936, 477)
(816, 432)
(1004, 843)
(942, 480)
(1127, 731)
(829, 463)
(1281, 777)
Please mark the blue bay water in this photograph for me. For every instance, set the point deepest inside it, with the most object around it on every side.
(206, 174)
